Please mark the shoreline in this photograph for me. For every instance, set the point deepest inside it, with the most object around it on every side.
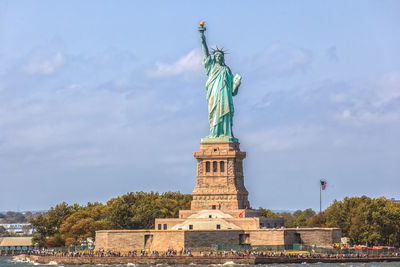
(186, 260)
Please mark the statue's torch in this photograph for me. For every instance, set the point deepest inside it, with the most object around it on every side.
(202, 28)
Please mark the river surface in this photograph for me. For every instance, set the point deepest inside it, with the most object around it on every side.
(9, 262)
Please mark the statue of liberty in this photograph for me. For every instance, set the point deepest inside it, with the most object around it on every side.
(221, 86)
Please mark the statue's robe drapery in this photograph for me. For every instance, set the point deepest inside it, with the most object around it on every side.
(219, 96)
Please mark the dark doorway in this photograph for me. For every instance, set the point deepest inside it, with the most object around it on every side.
(148, 240)
(244, 239)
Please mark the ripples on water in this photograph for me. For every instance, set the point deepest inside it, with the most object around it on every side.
(9, 262)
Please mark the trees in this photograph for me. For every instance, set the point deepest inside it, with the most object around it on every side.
(149, 206)
(40, 224)
(139, 210)
(317, 220)
(364, 220)
(47, 225)
(266, 213)
(70, 225)
(120, 213)
(297, 218)
(83, 224)
(3, 232)
(15, 217)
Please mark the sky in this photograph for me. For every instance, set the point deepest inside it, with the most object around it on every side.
(100, 98)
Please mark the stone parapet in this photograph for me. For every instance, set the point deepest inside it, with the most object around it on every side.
(183, 214)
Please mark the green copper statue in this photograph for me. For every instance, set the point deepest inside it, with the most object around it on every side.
(221, 86)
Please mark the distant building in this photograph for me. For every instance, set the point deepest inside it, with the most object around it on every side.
(394, 200)
(15, 243)
(272, 223)
(18, 228)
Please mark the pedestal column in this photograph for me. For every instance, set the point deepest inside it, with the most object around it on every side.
(220, 181)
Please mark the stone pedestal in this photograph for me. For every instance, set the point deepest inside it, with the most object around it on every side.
(220, 181)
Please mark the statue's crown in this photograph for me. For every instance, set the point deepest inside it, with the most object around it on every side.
(218, 50)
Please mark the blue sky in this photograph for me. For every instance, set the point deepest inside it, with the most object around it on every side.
(100, 98)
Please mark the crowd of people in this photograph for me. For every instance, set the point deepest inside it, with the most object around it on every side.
(188, 253)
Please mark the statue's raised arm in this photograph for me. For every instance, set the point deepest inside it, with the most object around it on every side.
(202, 29)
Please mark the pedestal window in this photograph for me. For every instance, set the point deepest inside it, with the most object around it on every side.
(222, 166)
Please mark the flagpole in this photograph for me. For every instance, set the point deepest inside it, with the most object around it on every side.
(320, 198)
(322, 186)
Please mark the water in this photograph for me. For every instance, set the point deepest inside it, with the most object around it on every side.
(9, 262)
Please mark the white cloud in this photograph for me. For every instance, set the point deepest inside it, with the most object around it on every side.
(389, 87)
(379, 117)
(190, 64)
(339, 98)
(298, 58)
(373, 103)
(44, 64)
(346, 114)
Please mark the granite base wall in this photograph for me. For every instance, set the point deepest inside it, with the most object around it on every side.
(206, 240)
(321, 237)
(126, 240)
(266, 237)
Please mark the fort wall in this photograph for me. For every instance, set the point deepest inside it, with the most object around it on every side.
(125, 240)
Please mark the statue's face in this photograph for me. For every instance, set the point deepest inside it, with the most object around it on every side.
(219, 58)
